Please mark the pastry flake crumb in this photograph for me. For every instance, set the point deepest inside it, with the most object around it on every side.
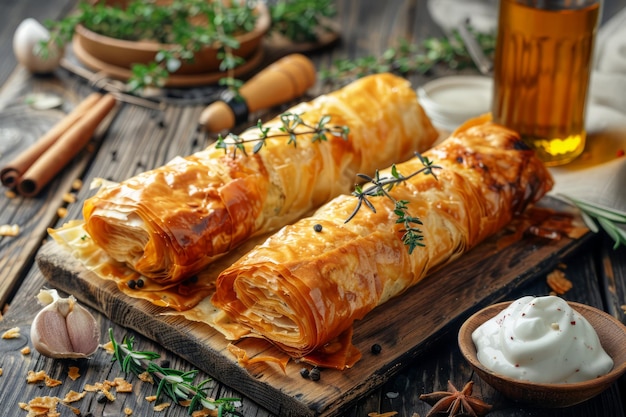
(121, 385)
(25, 350)
(51, 382)
(33, 376)
(108, 347)
(161, 407)
(558, 282)
(77, 184)
(146, 377)
(12, 333)
(73, 373)
(41, 407)
(11, 230)
(74, 396)
(69, 198)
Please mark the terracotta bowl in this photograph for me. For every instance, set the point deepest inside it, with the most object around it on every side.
(612, 334)
(123, 54)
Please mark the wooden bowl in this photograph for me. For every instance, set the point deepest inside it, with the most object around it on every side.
(612, 334)
(123, 54)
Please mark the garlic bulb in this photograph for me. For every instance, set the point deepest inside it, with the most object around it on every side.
(63, 328)
(27, 49)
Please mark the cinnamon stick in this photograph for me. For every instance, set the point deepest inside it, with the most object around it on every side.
(10, 174)
(65, 148)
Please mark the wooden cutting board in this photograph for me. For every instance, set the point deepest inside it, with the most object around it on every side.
(404, 327)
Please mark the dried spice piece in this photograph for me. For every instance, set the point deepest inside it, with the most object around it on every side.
(455, 403)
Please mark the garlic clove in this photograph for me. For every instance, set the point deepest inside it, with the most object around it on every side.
(64, 328)
(82, 330)
(27, 49)
(49, 333)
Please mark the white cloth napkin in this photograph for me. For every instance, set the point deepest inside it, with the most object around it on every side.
(599, 175)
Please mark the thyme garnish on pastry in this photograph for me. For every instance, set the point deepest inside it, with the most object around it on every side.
(380, 187)
(292, 126)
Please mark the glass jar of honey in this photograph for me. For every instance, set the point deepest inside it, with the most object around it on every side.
(543, 61)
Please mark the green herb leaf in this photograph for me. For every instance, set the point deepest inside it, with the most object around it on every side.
(292, 126)
(381, 187)
(301, 21)
(176, 384)
(609, 220)
(406, 58)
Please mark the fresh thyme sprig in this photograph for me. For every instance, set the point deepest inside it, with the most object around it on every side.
(607, 219)
(176, 384)
(292, 126)
(381, 186)
(406, 58)
(300, 21)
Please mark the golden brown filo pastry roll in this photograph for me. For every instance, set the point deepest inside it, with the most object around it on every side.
(170, 222)
(307, 283)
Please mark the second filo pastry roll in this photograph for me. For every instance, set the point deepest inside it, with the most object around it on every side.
(171, 222)
(307, 284)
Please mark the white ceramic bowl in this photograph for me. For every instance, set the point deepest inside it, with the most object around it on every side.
(450, 101)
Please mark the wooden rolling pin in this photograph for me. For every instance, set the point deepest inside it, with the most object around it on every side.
(282, 81)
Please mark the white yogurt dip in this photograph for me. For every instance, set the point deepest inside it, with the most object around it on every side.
(541, 339)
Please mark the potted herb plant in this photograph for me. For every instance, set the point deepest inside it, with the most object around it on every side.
(147, 41)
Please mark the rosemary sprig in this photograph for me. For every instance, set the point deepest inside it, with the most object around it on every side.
(595, 217)
(381, 187)
(292, 126)
(406, 58)
(176, 384)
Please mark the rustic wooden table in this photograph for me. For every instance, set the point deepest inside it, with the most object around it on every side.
(597, 271)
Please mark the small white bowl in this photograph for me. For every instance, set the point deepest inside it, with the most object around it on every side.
(450, 101)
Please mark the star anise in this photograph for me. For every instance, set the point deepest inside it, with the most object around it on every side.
(455, 403)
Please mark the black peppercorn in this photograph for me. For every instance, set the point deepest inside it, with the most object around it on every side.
(139, 283)
(165, 363)
(304, 373)
(131, 284)
(314, 374)
(101, 398)
(376, 348)
(317, 227)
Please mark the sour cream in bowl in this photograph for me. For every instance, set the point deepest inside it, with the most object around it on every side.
(545, 351)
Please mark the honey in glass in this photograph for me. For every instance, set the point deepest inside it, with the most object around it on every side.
(542, 67)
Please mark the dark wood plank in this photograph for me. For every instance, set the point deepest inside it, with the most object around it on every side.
(20, 127)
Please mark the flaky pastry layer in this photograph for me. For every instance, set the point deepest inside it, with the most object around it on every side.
(171, 222)
(306, 285)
